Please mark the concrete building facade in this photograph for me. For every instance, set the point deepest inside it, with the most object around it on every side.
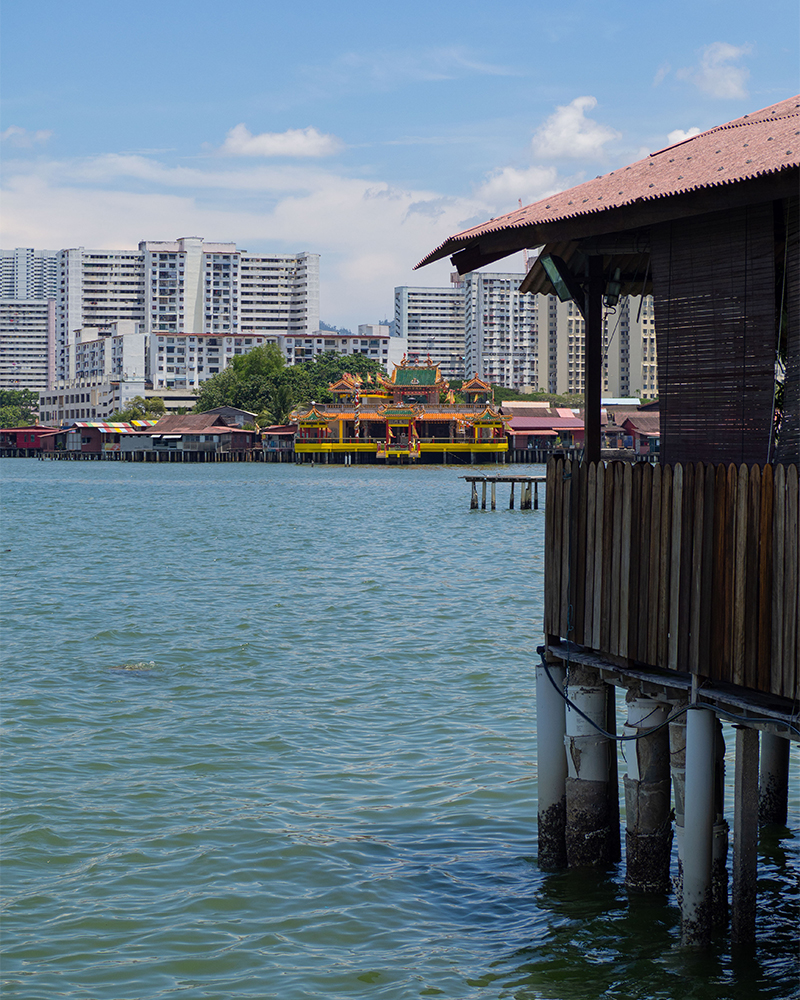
(26, 273)
(501, 330)
(629, 367)
(373, 341)
(28, 288)
(185, 287)
(27, 343)
(431, 320)
(527, 342)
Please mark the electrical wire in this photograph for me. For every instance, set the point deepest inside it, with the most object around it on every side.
(675, 715)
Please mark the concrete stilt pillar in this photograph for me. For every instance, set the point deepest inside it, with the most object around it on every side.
(719, 836)
(696, 902)
(677, 762)
(648, 834)
(592, 834)
(473, 503)
(745, 837)
(552, 768)
(774, 788)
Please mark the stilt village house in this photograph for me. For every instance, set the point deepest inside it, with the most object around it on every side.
(411, 416)
(678, 582)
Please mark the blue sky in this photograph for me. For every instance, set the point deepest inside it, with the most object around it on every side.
(363, 133)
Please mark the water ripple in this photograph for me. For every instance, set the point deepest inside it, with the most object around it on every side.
(269, 732)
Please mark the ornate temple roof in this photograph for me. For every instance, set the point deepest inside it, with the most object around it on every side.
(407, 374)
(475, 384)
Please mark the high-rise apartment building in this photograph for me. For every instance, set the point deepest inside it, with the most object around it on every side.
(28, 274)
(432, 321)
(629, 346)
(27, 343)
(524, 341)
(27, 317)
(501, 330)
(185, 286)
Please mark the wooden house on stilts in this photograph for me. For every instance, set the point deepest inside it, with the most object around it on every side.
(678, 582)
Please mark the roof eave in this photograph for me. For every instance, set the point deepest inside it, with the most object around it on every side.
(498, 239)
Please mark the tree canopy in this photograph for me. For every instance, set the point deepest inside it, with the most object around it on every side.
(261, 382)
(140, 408)
(18, 407)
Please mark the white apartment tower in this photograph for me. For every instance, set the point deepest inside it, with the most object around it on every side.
(27, 317)
(432, 321)
(501, 327)
(525, 341)
(629, 344)
(185, 286)
(27, 343)
(28, 273)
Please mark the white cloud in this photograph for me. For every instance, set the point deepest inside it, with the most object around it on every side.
(430, 65)
(661, 74)
(679, 134)
(14, 135)
(503, 188)
(295, 142)
(717, 73)
(369, 234)
(569, 134)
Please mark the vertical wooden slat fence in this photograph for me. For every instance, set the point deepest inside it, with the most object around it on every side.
(693, 568)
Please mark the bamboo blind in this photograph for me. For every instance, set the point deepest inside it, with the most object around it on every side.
(789, 296)
(687, 567)
(714, 291)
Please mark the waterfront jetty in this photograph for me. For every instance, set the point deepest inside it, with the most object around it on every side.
(676, 582)
(529, 491)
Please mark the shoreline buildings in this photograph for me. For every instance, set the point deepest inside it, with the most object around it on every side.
(484, 327)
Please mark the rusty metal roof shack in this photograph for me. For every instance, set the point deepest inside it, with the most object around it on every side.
(709, 226)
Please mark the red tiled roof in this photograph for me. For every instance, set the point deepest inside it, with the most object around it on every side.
(647, 423)
(760, 144)
(192, 423)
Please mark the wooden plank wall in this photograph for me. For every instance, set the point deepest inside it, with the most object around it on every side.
(687, 567)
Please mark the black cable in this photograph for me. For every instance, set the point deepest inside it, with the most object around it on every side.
(654, 729)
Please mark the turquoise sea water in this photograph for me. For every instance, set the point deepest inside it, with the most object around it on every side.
(269, 731)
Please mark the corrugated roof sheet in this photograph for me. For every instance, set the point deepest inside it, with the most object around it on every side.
(759, 144)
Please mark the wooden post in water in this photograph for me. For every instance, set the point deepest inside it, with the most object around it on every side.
(535, 496)
(511, 500)
(483, 495)
(473, 503)
(745, 837)
(494, 497)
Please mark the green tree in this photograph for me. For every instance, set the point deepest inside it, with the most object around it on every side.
(18, 407)
(25, 398)
(140, 408)
(262, 383)
(15, 416)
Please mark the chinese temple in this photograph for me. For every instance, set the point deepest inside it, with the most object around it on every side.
(407, 417)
